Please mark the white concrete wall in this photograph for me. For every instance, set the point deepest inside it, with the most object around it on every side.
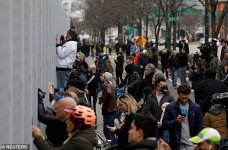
(28, 60)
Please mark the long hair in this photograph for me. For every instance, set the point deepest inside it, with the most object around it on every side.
(132, 104)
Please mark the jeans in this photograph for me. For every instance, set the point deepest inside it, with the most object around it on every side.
(62, 78)
(174, 71)
(164, 70)
(182, 73)
(165, 135)
(93, 101)
(108, 119)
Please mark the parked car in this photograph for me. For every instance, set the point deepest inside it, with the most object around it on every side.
(202, 41)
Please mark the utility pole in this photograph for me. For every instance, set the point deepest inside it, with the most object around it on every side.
(206, 22)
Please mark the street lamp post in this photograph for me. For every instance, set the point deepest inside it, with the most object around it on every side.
(206, 22)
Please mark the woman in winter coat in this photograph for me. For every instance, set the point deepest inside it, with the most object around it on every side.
(129, 106)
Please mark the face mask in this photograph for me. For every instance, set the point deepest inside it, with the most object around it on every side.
(164, 89)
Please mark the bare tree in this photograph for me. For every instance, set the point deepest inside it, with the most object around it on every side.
(190, 22)
(78, 25)
(170, 9)
(212, 7)
(157, 18)
(102, 14)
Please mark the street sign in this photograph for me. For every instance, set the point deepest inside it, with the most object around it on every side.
(174, 19)
(131, 31)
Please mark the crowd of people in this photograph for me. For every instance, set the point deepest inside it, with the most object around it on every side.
(146, 115)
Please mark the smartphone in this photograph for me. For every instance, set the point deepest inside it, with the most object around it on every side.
(182, 114)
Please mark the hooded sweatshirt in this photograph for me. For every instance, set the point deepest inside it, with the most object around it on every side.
(216, 118)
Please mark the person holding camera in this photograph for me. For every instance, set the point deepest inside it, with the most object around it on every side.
(66, 56)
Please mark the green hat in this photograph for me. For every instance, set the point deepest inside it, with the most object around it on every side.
(158, 74)
(209, 134)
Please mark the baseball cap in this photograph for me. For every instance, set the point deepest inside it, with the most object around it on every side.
(108, 76)
(209, 134)
(144, 51)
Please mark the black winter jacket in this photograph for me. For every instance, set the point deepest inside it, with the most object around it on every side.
(164, 57)
(122, 133)
(145, 82)
(56, 130)
(133, 82)
(93, 83)
(152, 107)
(119, 62)
(182, 59)
(147, 144)
(196, 76)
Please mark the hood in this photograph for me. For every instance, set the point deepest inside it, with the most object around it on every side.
(149, 143)
(216, 109)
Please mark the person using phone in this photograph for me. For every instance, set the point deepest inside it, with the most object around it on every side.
(128, 105)
(183, 118)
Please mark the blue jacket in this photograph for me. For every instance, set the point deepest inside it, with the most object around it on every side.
(143, 61)
(195, 119)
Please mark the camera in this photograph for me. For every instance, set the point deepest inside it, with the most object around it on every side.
(62, 39)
